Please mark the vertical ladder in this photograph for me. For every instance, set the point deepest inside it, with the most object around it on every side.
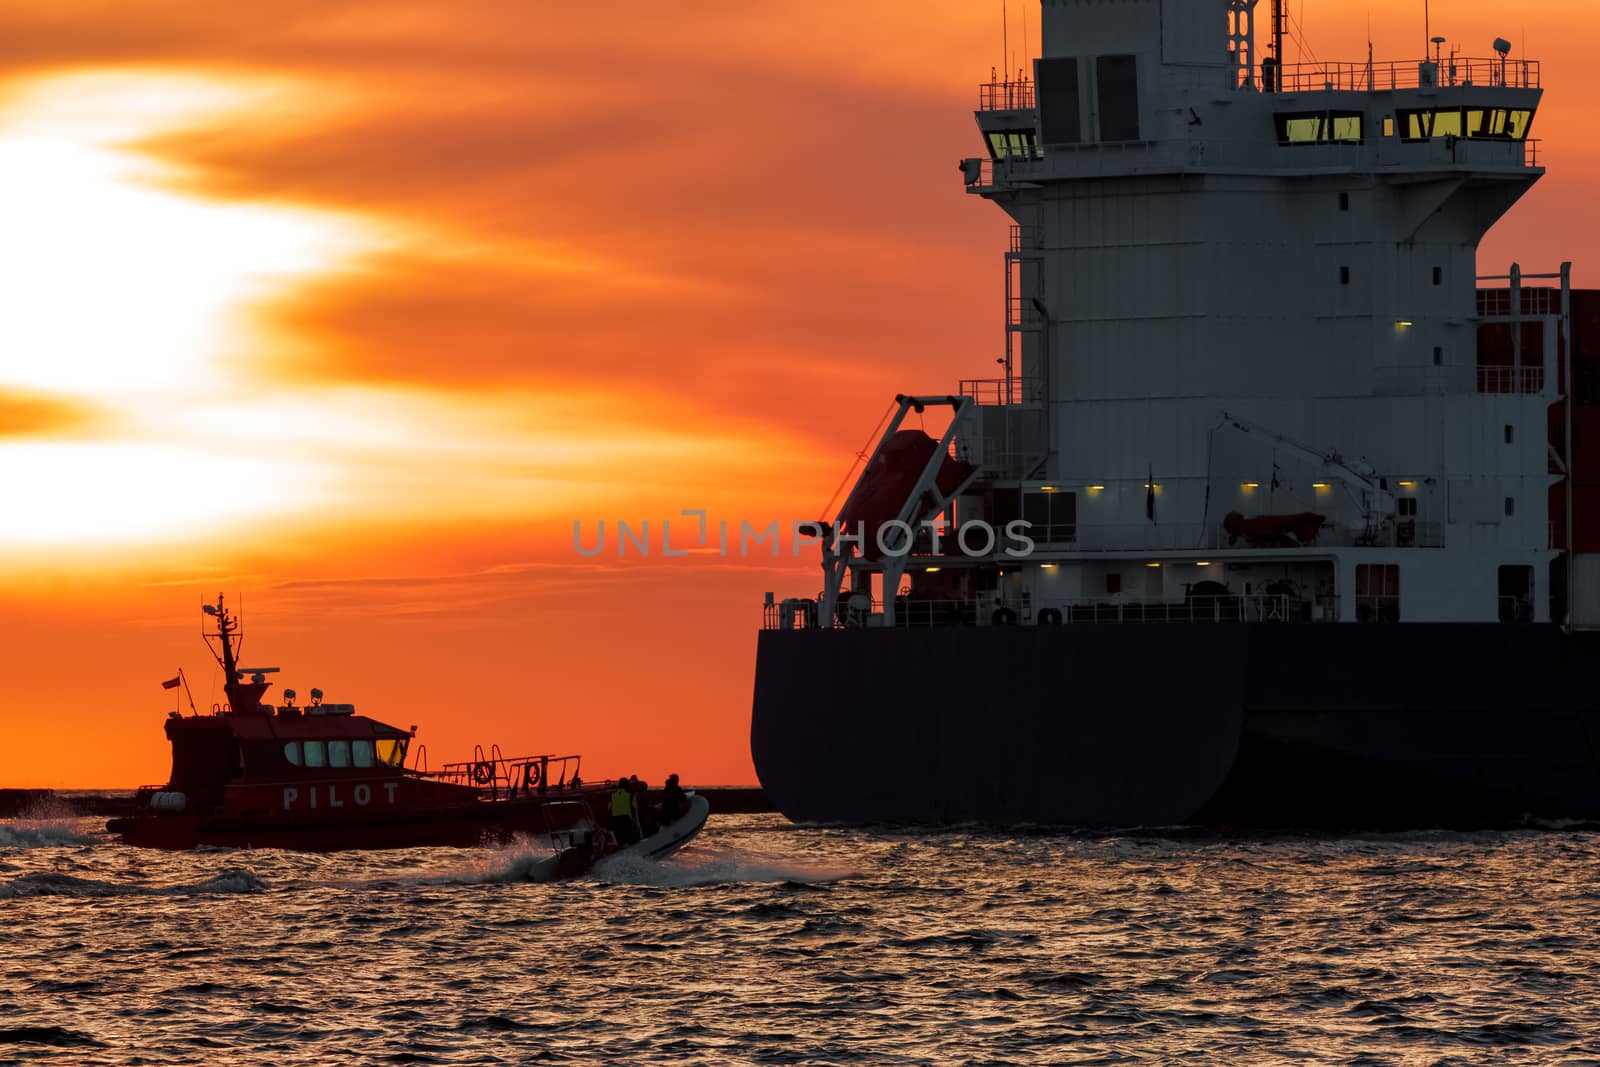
(1021, 315)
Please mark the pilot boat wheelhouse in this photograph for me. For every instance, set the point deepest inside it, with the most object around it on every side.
(319, 776)
(1311, 507)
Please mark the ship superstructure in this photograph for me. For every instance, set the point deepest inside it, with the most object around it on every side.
(1252, 376)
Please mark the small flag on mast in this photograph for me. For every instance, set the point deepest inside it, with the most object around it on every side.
(170, 683)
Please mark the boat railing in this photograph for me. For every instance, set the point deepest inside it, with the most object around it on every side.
(916, 613)
(1368, 77)
(1185, 537)
(500, 777)
(998, 95)
(1501, 379)
(998, 392)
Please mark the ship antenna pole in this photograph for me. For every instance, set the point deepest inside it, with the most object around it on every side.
(1005, 41)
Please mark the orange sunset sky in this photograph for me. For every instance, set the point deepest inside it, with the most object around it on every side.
(352, 309)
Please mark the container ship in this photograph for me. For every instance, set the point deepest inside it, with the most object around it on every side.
(1282, 513)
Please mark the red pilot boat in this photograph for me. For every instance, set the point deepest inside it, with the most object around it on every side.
(319, 777)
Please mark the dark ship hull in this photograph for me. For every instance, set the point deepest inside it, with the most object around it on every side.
(1262, 725)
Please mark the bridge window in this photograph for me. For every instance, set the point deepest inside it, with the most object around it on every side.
(1378, 593)
(361, 753)
(1495, 124)
(315, 754)
(1004, 144)
(391, 752)
(338, 753)
(291, 752)
(1320, 127)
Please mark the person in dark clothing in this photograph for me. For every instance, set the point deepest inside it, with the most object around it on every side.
(649, 817)
(674, 801)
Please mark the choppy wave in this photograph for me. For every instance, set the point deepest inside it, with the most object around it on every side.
(766, 943)
(43, 833)
(704, 866)
(52, 884)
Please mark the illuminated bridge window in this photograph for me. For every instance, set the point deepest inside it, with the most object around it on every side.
(1005, 144)
(1495, 124)
(1320, 127)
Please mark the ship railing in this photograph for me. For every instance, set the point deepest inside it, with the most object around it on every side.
(1499, 379)
(917, 613)
(1257, 607)
(1007, 95)
(502, 778)
(1537, 301)
(1401, 74)
(998, 392)
(1185, 537)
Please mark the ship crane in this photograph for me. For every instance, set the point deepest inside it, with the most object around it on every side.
(1376, 502)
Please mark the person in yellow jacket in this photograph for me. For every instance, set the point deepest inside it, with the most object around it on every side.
(623, 819)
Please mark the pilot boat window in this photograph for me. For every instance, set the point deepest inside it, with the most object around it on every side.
(391, 752)
(338, 753)
(361, 753)
(291, 752)
(315, 755)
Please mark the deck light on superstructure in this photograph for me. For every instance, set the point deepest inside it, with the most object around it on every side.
(1095, 488)
(1249, 486)
(1152, 564)
(1408, 485)
(1202, 563)
(932, 570)
(1321, 487)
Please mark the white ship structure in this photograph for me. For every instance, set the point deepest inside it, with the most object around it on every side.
(1314, 505)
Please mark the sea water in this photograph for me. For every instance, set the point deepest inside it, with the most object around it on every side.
(765, 942)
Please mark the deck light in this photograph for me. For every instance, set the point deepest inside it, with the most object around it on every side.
(1049, 566)
(1248, 486)
(1408, 485)
(1202, 563)
(1152, 564)
(1321, 487)
(1095, 488)
(932, 570)
(1404, 324)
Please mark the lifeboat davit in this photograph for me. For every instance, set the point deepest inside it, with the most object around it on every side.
(888, 482)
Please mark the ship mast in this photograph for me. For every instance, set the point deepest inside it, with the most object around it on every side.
(224, 642)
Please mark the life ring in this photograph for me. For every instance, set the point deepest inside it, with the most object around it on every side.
(530, 776)
(1003, 617)
(1050, 617)
(483, 773)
